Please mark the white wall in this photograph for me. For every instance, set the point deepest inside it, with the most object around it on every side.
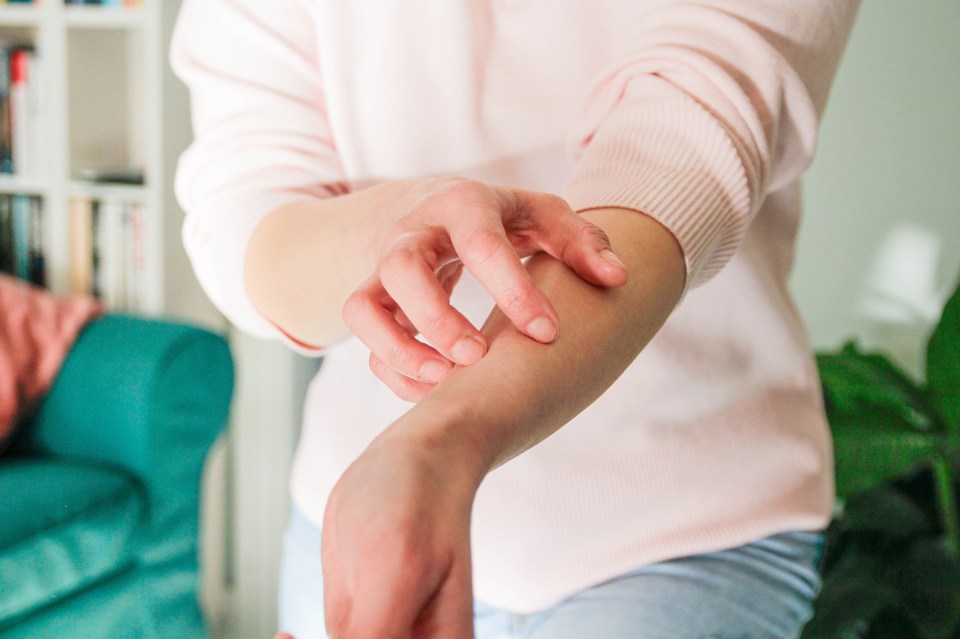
(889, 153)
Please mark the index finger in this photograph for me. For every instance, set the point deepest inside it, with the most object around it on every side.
(488, 254)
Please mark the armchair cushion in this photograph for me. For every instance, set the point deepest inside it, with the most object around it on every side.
(66, 526)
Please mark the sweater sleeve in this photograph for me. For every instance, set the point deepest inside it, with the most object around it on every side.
(261, 134)
(710, 106)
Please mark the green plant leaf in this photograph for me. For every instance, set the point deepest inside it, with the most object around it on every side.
(853, 593)
(927, 577)
(890, 624)
(870, 450)
(856, 383)
(887, 511)
(943, 367)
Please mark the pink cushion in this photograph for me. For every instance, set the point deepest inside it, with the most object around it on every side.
(37, 330)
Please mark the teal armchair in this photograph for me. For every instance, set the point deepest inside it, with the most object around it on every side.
(99, 497)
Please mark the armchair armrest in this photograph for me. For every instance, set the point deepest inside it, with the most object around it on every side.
(147, 396)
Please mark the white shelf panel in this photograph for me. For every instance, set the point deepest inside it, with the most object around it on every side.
(17, 184)
(20, 15)
(94, 17)
(127, 193)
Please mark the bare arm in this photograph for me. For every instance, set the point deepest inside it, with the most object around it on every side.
(403, 507)
(523, 391)
(389, 256)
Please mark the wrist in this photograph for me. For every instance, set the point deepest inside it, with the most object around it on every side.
(445, 436)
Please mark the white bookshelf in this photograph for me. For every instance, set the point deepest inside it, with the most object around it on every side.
(109, 101)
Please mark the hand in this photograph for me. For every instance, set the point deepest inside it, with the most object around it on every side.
(395, 546)
(448, 224)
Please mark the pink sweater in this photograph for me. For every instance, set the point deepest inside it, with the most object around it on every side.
(701, 114)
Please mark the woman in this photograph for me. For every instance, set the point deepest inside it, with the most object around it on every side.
(351, 158)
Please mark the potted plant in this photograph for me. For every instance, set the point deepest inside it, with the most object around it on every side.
(892, 562)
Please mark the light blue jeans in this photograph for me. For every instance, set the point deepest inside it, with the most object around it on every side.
(763, 590)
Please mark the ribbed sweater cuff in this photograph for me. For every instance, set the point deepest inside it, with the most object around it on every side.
(663, 154)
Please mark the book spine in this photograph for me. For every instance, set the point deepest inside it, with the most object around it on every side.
(38, 262)
(96, 254)
(6, 156)
(136, 257)
(21, 235)
(20, 112)
(81, 246)
(110, 244)
(35, 100)
(7, 260)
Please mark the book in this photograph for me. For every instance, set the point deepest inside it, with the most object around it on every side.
(7, 260)
(110, 251)
(135, 262)
(20, 204)
(24, 102)
(81, 246)
(19, 101)
(37, 263)
(6, 155)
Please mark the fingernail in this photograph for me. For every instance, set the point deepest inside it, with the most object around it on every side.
(467, 351)
(542, 329)
(433, 371)
(612, 258)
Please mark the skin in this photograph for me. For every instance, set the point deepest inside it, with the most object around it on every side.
(405, 244)
(396, 546)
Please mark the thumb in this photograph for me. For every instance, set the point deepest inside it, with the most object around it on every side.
(450, 614)
(580, 244)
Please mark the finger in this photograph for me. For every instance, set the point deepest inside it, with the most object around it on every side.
(555, 228)
(489, 256)
(412, 284)
(403, 387)
(393, 345)
(449, 275)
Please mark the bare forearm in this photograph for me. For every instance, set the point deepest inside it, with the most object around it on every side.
(306, 258)
(523, 391)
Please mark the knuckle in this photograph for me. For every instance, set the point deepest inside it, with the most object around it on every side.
(461, 189)
(554, 201)
(434, 322)
(481, 245)
(516, 302)
(397, 357)
(595, 235)
(396, 261)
